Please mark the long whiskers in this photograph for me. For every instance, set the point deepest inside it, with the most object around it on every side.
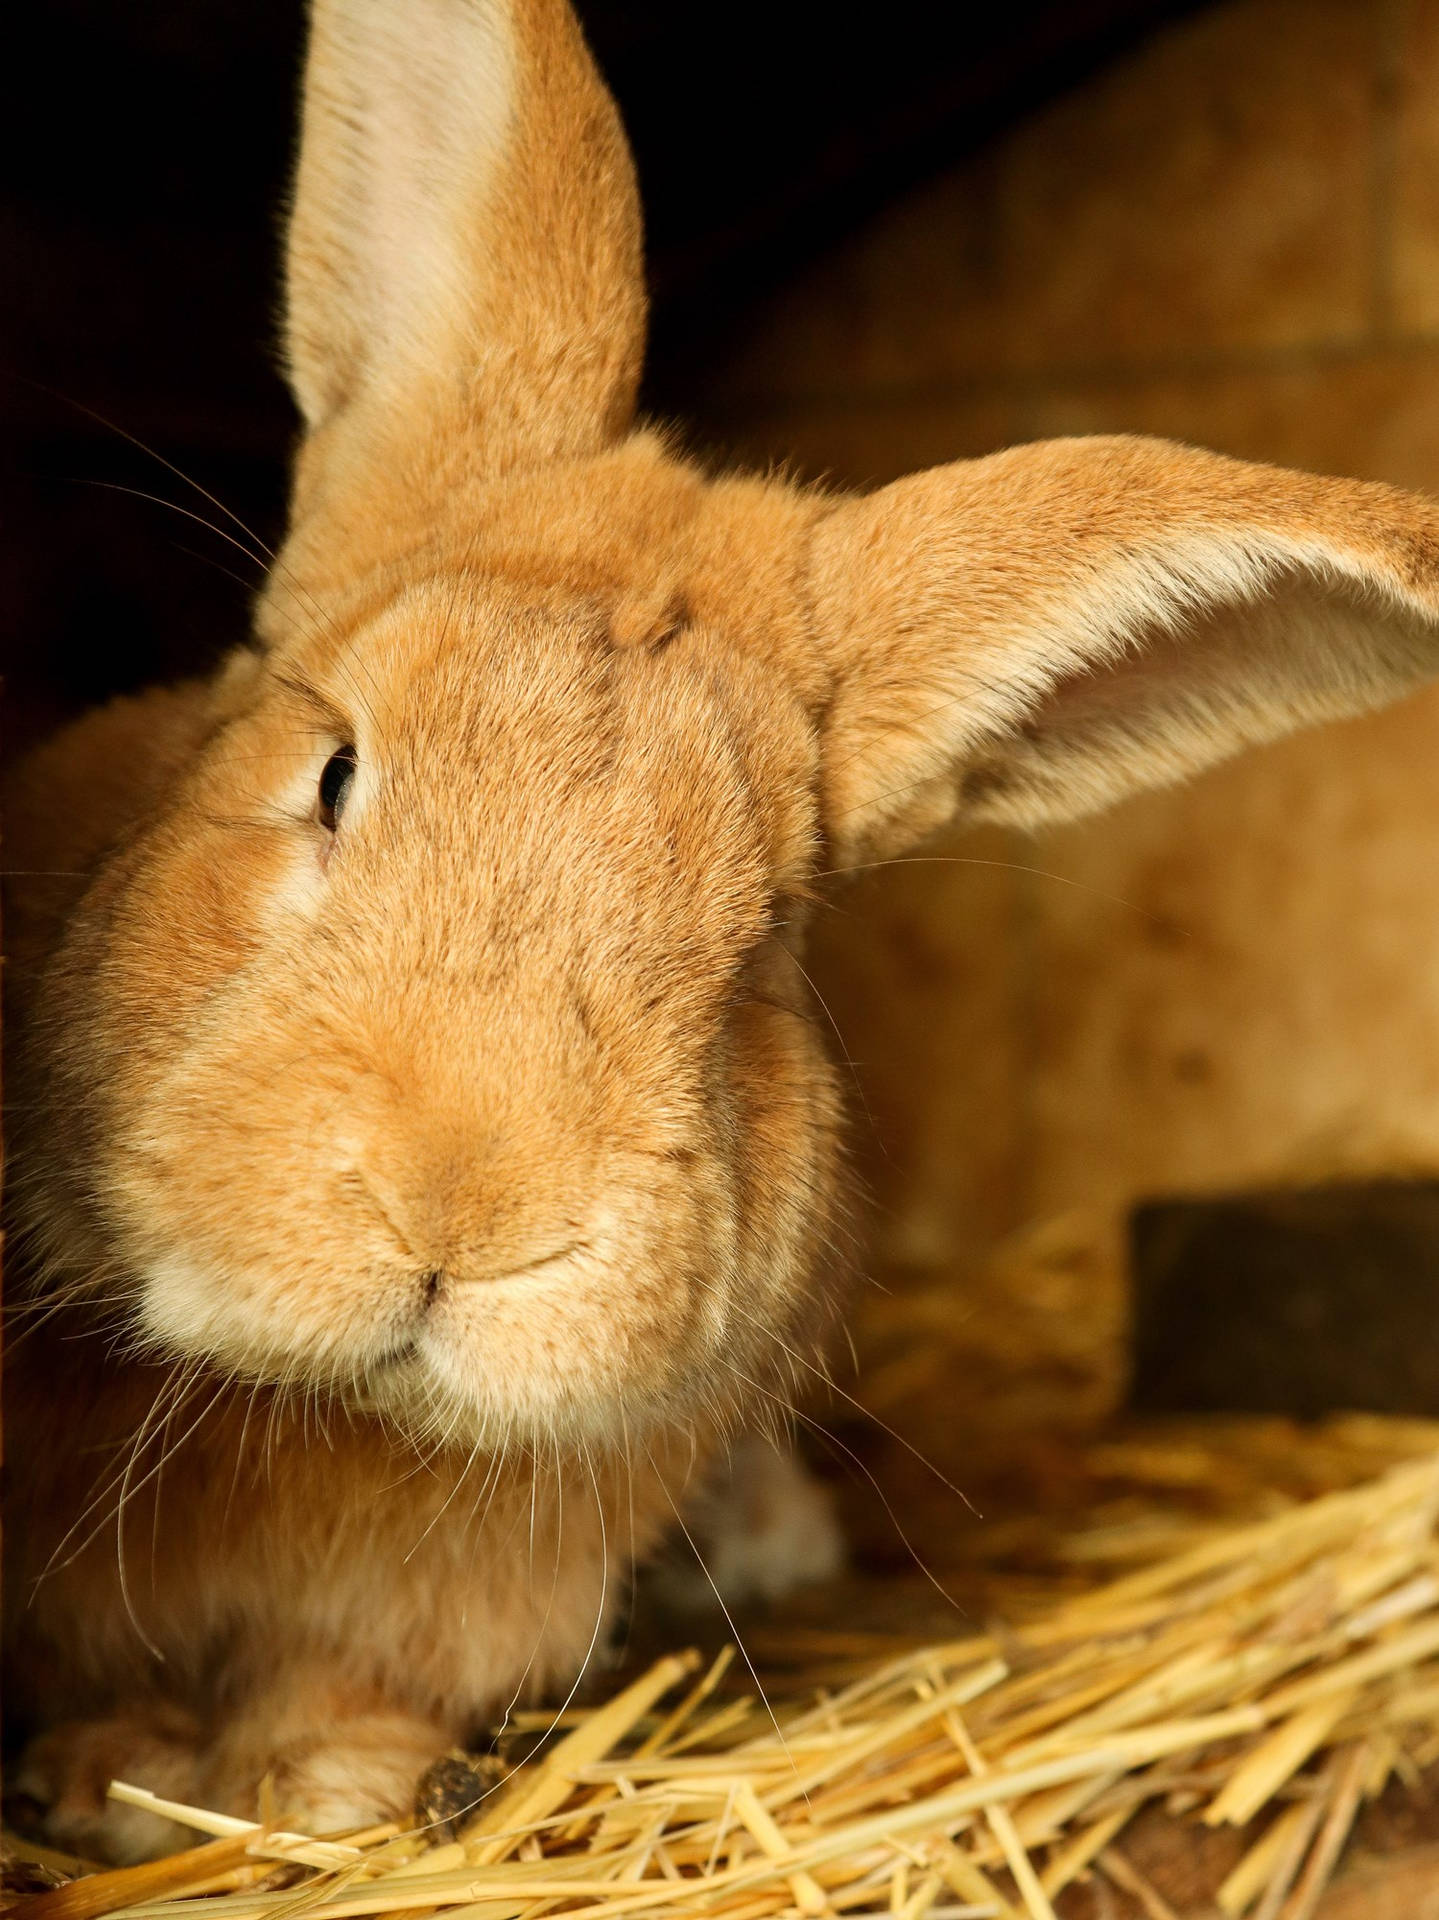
(544, 1627)
(865, 1412)
(59, 1559)
(1007, 866)
(259, 553)
(123, 433)
(830, 1439)
(729, 1617)
(839, 1037)
(173, 506)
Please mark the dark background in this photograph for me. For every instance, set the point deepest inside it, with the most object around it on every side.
(146, 154)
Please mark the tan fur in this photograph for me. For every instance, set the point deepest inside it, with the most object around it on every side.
(430, 1188)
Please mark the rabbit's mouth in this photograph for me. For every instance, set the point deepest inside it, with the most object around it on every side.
(407, 1351)
(436, 1283)
(577, 1345)
(438, 1280)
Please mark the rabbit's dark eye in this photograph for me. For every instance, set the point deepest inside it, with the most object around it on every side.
(335, 783)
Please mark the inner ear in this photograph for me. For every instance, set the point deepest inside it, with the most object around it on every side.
(465, 236)
(1107, 727)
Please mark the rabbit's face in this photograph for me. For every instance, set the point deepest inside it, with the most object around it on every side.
(469, 1075)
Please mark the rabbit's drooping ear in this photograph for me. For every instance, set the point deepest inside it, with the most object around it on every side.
(1028, 637)
(465, 229)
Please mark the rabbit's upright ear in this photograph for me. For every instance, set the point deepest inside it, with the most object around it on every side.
(465, 231)
(1028, 637)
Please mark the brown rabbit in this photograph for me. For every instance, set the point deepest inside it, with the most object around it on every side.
(424, 1143)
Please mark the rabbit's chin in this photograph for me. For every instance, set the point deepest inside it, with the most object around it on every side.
(454, 1405)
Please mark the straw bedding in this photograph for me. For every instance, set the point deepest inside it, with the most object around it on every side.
(1270, 1673)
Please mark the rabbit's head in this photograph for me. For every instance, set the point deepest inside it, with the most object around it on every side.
(441, 1035)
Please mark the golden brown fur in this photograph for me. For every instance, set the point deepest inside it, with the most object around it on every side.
(423, 1187)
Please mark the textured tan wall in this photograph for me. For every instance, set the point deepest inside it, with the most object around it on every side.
(1233, 238)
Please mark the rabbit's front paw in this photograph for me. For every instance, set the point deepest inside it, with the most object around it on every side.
(343, 1773)
(66, 1774)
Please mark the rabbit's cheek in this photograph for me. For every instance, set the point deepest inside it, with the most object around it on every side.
(266, 1321)
(179, 1308)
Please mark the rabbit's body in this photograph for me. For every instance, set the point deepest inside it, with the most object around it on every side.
(234, 1596)
(425, 1143)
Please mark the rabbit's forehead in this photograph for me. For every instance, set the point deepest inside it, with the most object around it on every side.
(515, 744)
(522, 707)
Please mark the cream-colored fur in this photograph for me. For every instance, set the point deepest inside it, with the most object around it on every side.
(418, 1189)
